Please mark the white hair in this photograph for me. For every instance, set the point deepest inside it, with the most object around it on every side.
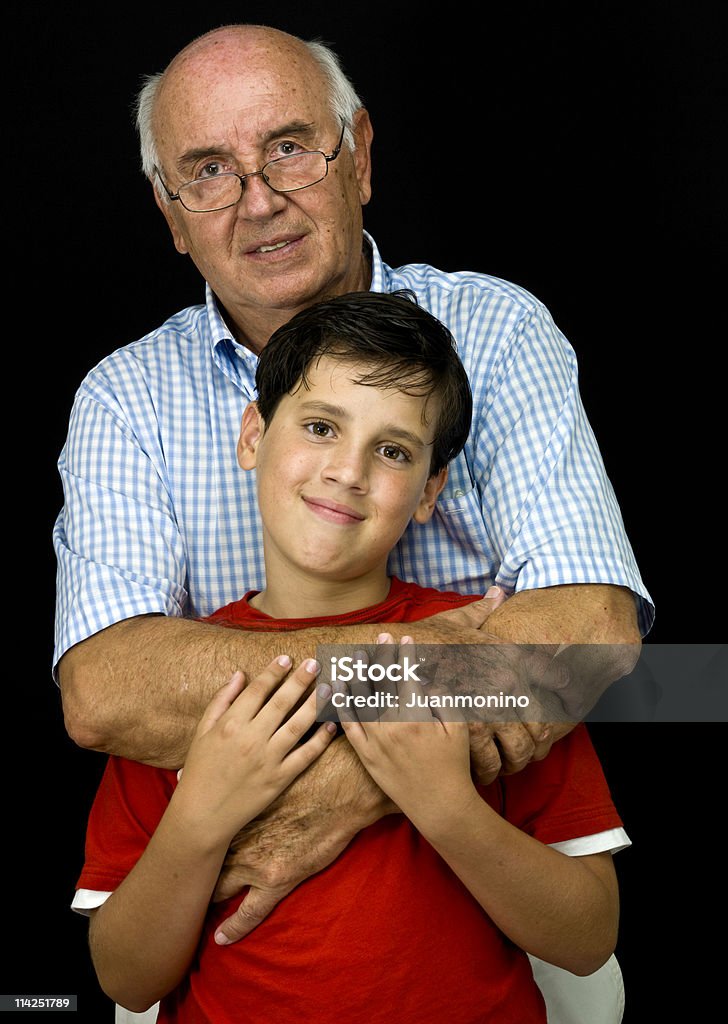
(343, 101)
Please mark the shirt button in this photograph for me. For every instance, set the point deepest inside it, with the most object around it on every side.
(458, 493)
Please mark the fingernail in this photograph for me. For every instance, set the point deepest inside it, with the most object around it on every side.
(331, 727)
(493, 592)
(384, 638)
(312, 666)
(221, 939)
(324, 691)
(284, 661)
(406, 640)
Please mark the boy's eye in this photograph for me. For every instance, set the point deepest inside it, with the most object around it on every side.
(319, 428)
(394, 453)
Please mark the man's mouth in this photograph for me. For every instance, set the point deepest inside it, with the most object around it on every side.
(273, 245)
(270, 248)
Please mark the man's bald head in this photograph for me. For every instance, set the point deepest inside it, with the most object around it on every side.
(244, 46)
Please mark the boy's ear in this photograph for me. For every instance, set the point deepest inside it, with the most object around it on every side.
(251, 431)
(433, 487)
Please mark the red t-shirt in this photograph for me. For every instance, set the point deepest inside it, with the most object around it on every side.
(387, 932)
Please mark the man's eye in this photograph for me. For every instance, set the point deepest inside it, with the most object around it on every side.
(394, 453)
(211, 170)
(319, 428)
(287, 149)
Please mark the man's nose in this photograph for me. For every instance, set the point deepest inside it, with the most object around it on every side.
(258, 200)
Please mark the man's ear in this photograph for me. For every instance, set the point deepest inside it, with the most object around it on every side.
(363, 135)
(433, 487)
(169, 215)
(251, 431)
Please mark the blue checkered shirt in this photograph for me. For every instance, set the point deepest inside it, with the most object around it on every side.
(158, 517)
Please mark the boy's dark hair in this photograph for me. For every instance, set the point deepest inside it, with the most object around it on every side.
(406, 347)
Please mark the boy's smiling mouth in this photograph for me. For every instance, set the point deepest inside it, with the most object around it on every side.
(333, 511)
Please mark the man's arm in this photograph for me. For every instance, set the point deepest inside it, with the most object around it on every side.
(138, 688)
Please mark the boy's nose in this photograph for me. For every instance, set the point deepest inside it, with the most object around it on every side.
(348, 468)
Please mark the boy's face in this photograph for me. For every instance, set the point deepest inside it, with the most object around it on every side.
(342, 469)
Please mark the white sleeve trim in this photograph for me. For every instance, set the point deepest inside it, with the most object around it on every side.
(611, 841)
(86, 900)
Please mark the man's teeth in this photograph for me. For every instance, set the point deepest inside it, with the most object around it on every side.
(270, 248)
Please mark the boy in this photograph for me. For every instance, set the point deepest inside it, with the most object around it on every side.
(426, 916)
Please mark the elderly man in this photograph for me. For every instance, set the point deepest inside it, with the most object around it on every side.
(259, 152)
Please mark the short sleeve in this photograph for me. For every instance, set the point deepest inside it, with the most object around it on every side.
(548, 505)
(118, 547)
(564, 796)
(128, 806)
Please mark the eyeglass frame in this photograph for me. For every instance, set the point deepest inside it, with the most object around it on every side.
(254, 174)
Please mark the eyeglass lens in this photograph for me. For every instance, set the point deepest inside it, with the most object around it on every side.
(286, 174)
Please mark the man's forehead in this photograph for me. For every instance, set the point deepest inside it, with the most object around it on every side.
(250, 112)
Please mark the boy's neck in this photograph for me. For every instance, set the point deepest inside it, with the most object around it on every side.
(297, 595)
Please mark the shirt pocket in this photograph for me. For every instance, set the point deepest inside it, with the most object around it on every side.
(461, 517)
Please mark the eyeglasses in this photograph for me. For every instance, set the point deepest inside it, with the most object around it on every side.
(284, 174)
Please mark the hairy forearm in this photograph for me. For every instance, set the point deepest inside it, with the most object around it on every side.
(590, 630)
(555, 907)
(144, 937)
(574, 614)
(138, 688)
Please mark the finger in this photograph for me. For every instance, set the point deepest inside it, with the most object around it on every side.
(548, 733)
(305, 754)
(221, 702)
(290, 732)
(264, 684)
(256, 906)
(282, 701)
(386, 655)
(410, 689)
(361, 688)
(484, 753)
(516, 745)
(353, 730)
(345, 710)
(476, 614)
(494, 597)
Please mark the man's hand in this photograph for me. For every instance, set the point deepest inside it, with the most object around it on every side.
(563, 646)
(474, 615)
(506, 746)
(298, 835)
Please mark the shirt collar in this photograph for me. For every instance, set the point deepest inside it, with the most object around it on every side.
(235, 360)
(380, 271)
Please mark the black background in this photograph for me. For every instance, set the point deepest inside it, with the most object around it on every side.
(576, 149)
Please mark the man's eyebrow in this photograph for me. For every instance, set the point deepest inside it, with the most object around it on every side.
(306, 131)
(391, 430)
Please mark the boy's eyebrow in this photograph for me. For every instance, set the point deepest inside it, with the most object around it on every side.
(390, 429)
